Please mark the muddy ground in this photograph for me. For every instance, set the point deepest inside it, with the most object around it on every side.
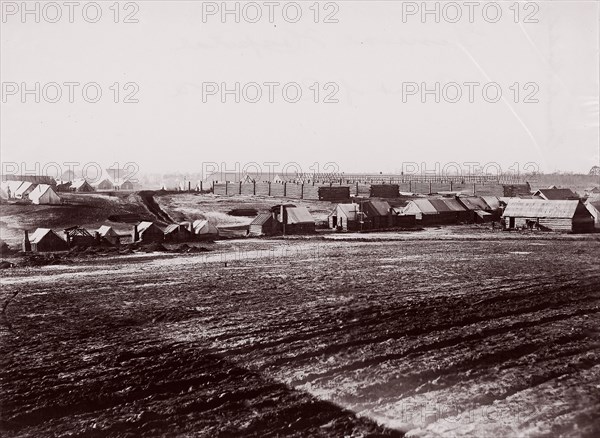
(478, 337)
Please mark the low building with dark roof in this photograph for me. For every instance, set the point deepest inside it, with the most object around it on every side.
(147, 232)
(298, 220)
(263, 225)
(436, 211)
(563, 215)
(46, 240)
(377, 214)
(177, 233)
(554, 194)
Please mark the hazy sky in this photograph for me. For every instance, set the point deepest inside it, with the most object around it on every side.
(368, 54)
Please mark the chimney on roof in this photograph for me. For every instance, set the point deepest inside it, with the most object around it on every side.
(26, 242)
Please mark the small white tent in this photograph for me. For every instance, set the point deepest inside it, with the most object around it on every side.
(204, 228)
(24, 190)
(44, 195)
(107, 233)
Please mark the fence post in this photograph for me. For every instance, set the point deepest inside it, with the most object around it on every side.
(240, 189)
(302, 191)
(285, 189)
(226, 188)
(254, 188)
(269, 188)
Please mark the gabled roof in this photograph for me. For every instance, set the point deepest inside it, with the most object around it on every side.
(261, 219)
(453, 204)
(541, 208)
(205, 227)
(423, 205)
(143, 226)
(492, 201)
(199, 223)
(594, 203)
(349, 210)
(556, 194)
(26, 185)
(39, 191)
(40, 233)
(376, 208)
(299, 215)
(440, 205)
(474, 203)
(172, 228)
(106, 230)
(78, 183)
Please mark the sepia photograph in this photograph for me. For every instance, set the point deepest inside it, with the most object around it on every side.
(311, 218)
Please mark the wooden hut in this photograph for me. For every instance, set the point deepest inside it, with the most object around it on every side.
(384, 191)
(345, 217)
(334, 193)
(63, 186)
(46, 240)
(177, 233)
(450, 210)
(555, 194)
(147, 232)
(263, 225)
(479, 210)
(515, 190)
(78, 236)
(376, 214)
(432, 212)
(565, 215)
(298, 220)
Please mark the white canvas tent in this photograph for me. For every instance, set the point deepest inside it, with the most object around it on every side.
(24, 190)
(204, 228)
(43, 194)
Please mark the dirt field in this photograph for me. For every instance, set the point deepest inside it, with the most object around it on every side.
(477, 337)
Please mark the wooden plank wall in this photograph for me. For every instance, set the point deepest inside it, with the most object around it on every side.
(311, 191)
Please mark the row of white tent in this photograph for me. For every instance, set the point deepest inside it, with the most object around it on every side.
(41, 194)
